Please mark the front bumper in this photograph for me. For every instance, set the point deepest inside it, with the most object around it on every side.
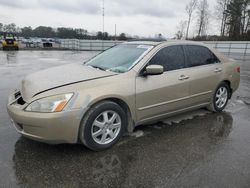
(52, 128)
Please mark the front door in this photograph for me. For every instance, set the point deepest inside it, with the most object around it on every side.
(163, 94)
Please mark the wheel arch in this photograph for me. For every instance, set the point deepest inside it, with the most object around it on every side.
(229, 85)
(122, 104)
(127, 110)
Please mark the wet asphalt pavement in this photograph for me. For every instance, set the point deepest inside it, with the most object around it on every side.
(197, 149)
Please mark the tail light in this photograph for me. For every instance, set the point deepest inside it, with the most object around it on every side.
(238, 69)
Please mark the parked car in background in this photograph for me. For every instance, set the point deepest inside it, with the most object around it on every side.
(48, 43)
(128, 85)
(32, 42)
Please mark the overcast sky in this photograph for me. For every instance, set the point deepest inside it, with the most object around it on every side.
(135, 17)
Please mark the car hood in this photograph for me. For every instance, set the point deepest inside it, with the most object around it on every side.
(52, 78)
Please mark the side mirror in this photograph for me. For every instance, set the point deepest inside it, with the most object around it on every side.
(153, 70)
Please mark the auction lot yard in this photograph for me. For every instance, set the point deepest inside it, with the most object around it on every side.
(197, 149)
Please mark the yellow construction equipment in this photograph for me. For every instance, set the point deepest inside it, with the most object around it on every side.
(9, 42)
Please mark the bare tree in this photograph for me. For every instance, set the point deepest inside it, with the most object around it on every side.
(203, 16)
(181, 30)
(245, 16)
(221, 14)
(1, 27)
(190, 7)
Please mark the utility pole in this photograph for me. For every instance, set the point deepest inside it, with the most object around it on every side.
(103, 16)
(115, 31)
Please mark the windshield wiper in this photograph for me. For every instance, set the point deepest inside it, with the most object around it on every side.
(100, 68)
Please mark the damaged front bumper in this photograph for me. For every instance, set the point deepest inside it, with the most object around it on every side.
(52, 128)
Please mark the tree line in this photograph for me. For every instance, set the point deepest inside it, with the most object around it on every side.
(235, 18)
(232, 16)
(60, 32)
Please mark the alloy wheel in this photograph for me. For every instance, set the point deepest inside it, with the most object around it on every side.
(106, 127)
(221, 97)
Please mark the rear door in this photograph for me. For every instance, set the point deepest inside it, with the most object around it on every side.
(204, 70)
(159, 95)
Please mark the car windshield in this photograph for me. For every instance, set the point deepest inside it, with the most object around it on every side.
(120, 58)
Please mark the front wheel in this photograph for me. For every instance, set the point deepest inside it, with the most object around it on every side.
(103, 126)
(220, 98)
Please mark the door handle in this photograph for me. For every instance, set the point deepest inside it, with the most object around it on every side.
(183, 77)
(218, 70)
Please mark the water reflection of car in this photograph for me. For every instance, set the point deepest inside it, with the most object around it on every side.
(94, 170)
(221, 125)
(128, 85)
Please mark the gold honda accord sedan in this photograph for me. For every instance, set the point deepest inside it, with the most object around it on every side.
(131, 84)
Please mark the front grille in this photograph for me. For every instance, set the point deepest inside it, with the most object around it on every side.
(9, 41)
(20, 101)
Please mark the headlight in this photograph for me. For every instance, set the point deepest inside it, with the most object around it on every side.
(49, 104)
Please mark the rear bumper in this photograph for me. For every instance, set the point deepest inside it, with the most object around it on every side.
(235, 81)
(52, 128)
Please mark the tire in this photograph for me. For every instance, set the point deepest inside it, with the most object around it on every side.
(220, 98)
(103, 126)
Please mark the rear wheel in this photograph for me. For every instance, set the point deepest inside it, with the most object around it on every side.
(220, 98)
(103, 126)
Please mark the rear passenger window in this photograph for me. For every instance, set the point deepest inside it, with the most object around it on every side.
(199, 55)
(171, 58)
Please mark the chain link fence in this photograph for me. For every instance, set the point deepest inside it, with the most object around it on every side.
(239, 50)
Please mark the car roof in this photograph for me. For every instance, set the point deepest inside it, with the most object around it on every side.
(152, 43)
(169, 42)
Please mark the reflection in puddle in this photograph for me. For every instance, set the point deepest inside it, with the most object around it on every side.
(11, 57)
(106, 168)
(221, 126)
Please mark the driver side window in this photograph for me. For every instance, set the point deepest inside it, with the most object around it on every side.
(171, 58)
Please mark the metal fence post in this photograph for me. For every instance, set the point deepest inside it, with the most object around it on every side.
(216, 45)
(229, 49)
(245, 52)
